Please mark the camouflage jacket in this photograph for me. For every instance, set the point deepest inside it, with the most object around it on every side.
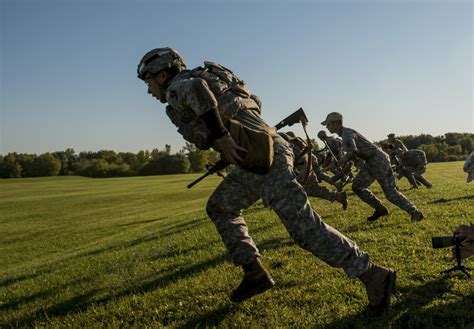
(414, 158)
(193, 92)
(357, 146)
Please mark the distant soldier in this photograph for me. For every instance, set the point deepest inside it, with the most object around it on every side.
(335, 151)
(376, 167)
(412, 164)
(312, 186)
(469, 167)
(396, 143)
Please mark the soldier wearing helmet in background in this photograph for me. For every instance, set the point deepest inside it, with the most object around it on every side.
(412, 164)
(212, 107)
(376, 167)
(335, 152)
(396, 143)
(312, 185)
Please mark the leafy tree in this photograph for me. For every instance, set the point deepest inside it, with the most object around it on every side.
(10, 168)
(172, 164)
(68, 161)
(431, 151)
(27, 163)
(46, 165)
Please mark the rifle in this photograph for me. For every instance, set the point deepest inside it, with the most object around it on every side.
(218, 166)
(295, 117)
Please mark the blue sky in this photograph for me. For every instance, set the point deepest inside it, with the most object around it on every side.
(68, 68)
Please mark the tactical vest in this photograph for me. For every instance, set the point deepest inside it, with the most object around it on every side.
(231, 92)
(232, 96)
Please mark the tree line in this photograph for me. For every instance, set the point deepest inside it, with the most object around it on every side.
(108, 163)
(447, 147)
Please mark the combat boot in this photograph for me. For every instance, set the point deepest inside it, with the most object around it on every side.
(256, 280)
(342, 199)
(379, 283)
(379, 212)
(416, 216)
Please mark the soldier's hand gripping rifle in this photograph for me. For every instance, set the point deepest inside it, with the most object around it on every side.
(322, 135)
(215, 168)
(295, 117)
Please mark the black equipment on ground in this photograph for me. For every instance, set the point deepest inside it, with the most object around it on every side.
(450, 241)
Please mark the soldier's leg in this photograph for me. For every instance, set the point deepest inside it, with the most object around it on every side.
(286, 196)
(419, 171)
(324, 177)
(314, 189)
(408, 173)
(386, 179)
(236, 192)
(360, 186)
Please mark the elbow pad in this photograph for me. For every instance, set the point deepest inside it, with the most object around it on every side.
(213, 122)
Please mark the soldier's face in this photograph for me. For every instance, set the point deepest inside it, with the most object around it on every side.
(155, 86)
(332, 127)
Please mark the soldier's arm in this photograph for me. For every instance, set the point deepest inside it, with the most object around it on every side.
(195, 94)
(350, 148)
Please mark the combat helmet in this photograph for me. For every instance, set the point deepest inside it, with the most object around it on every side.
(159, 59)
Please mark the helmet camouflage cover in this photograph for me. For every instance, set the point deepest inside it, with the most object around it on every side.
(159, 59)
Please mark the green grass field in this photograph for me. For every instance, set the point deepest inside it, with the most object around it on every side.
(141, 252)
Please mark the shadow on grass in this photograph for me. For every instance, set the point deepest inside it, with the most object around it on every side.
(443, 200)
(413, 310)
(83, 302)
(46, 269)
(210, 319)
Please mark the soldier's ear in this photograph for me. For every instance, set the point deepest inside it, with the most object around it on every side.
(162, 76)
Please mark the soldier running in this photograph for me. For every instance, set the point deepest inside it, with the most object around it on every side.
(376, 167)
(412, 164)
(202, 104)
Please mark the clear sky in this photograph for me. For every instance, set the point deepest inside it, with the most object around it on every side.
(68, 67)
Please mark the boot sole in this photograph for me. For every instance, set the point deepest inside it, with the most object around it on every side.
(258, 290)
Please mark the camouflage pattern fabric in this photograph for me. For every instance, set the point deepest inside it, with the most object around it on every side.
(281, 192)
(376, 167)
(357, 146)
(312, 187)
(192, 94)
(397, 145)
(468, 167)
(414, 166)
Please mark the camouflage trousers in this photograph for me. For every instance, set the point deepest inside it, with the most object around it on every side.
(414, 175)
(378, 168)
(315, 189)
(281, 192)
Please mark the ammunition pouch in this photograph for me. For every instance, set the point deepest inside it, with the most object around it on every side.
(258, 143)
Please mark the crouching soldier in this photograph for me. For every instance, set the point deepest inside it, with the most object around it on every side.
(413, 165)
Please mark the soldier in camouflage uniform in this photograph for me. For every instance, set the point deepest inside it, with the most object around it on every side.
(469, 167)
(335, 150)
(413, 165)
(396, 143)
(198, 101)
(376, 167)
(300, 165)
